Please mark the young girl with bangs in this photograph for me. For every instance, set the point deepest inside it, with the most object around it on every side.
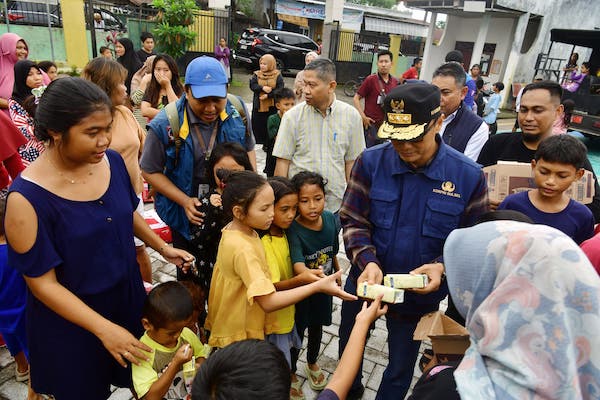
(277, 251)
(242, 293)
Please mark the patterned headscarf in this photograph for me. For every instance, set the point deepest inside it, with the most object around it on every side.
(531, 300)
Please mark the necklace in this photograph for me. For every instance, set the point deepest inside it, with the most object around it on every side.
(71, 180)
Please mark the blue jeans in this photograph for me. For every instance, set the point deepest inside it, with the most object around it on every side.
(402, 349)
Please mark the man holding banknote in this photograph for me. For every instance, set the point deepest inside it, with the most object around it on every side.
(403, 199)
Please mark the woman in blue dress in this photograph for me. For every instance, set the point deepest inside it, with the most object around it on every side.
(70, 221)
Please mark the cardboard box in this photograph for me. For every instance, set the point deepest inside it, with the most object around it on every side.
(508, 177)
(406, 281)
(449, 339)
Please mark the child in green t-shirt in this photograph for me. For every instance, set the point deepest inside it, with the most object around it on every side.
(313, 239)
(284, 100)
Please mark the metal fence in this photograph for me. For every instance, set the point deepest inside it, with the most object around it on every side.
(124, 20)
(357, 47)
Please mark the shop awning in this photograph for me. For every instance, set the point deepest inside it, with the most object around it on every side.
(293, 19)
(383, 25)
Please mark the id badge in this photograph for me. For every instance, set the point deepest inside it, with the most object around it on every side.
(203, 189)
(379, 100)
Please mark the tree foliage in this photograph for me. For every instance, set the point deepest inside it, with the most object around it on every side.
(172, 32)
(245, 6)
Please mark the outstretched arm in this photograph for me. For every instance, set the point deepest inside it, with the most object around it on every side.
(278, 300)
(349, 364)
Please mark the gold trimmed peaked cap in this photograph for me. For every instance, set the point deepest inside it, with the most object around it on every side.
(408, 109)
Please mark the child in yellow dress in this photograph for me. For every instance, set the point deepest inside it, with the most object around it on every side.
(241, 289)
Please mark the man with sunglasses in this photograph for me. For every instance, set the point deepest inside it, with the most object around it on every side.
(403, 199)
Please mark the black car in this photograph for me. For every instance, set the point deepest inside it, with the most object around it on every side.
(288, 48)
(31, 13)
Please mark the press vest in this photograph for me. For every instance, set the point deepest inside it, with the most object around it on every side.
(180, 169)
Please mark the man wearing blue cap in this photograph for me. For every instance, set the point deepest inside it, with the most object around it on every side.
(403, 199)
(174, 157)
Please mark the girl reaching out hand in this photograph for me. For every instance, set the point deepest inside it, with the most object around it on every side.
(313, 246)
(241, 289)
(283, 334)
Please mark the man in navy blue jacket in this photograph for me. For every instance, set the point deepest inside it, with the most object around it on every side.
(403, 199)
(461, 129)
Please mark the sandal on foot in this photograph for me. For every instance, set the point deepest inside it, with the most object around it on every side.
(21, 376)
(313, 378)
(297, 387)
(425, 359)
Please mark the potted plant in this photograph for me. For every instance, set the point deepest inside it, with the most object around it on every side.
(172, 32)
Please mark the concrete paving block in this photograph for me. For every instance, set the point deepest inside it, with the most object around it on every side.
(5, 357)
(169, 269)
(369, 394)
(336, 318)
(331, 350)
(378, 340)
(380, 323)
(376, 356)
(121, 394)
(375, 378)
(327, 364)
(331, 329)
(161, 277)
(13, 390)
(326, 338)
(367, 367)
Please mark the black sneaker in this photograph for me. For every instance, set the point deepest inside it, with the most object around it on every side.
(356, 393)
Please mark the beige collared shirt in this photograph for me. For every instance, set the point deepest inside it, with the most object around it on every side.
(322, 144)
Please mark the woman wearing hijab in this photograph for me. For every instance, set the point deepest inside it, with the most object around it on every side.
(12, 49)
(299, 81)
(128, 58)
(263, 83)
(22, 105)
(530, 298)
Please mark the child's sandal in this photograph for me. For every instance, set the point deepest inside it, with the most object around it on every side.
(313, 378)
(296, 387)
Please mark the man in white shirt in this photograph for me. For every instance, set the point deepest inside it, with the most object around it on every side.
(321, 134)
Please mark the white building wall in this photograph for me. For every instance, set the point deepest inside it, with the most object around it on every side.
(459, 29)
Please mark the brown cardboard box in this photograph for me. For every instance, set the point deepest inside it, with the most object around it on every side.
(449, 339)
(508, 177)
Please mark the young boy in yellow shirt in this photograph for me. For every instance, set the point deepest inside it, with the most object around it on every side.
(167, 311)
